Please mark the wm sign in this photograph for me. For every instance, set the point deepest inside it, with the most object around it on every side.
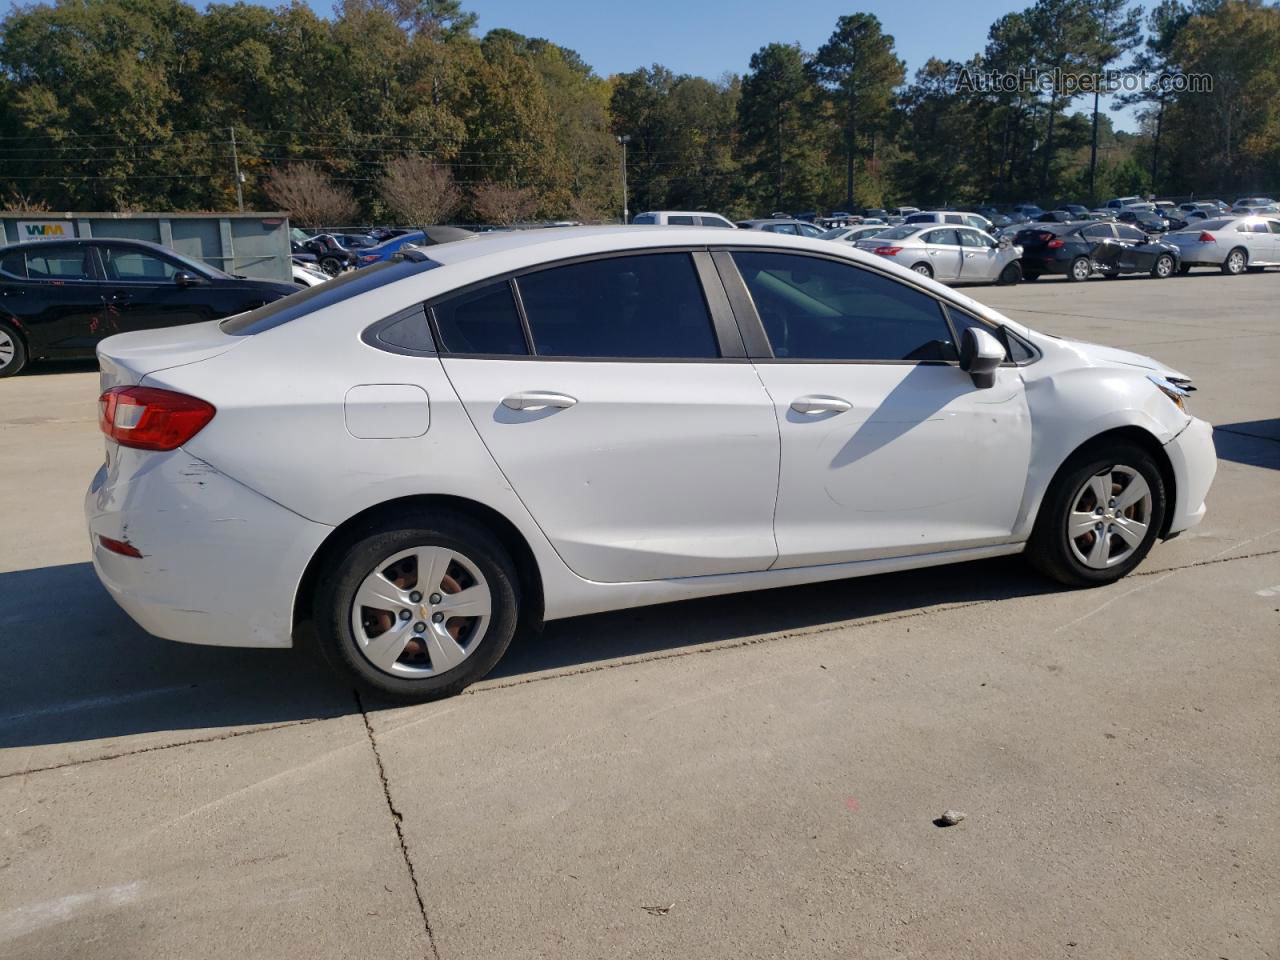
(43, 229)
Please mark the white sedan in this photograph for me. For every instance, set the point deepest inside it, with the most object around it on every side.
(1233, 244)
(950, 254)
(421, 456)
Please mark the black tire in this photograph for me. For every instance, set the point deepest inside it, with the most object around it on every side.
(1074, 272)
(347, 567)
(1236, 263)
(1030, 275)
(923, 269)
(332, 266)
(1163, 267)
(1010, 275)
(1049, 549)
(13, 351)
(1184, 269)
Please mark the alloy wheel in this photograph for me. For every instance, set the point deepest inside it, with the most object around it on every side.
(1164, 267)
(421, 612)
(1235, 262)
(1081, 269)
(1110, 516)
(8, 349)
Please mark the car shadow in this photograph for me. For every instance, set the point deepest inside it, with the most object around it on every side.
(1252, 442)
(46, 367)
(74, 667)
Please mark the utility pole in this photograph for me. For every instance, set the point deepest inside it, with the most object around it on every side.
(235, 162)
(624, 140)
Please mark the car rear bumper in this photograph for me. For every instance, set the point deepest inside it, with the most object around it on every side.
(1194, 461)
(1044, 263)
(220, 563)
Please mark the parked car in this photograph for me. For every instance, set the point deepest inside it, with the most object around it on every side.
(307, 275)
(1145, 220)
(681, 218)
(856, 233)
(974, 220)
(1077, 211)
(947, 254)
(1233, 244)
(355, 241)
(787, 226)
(1028, 210)
(1057, 216)
(1078, 250)
(474, 482)
(331, 255)
(1253, 206)
(59, 298)
(1119, 203)
(389, 248)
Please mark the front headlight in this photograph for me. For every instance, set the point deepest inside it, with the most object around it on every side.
(1176, 389)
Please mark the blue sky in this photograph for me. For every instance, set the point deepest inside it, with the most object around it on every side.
(712, 37)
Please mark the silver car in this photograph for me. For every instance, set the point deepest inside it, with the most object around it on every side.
(856, 233)
(1233, 244)
(949, 254)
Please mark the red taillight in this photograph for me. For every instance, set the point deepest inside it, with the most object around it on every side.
(888, 251)
(151, 419)
(122, 547)
(1057, 243)
(1206, 237)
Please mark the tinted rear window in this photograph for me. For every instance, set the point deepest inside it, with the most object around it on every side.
(646, 306)
(323, 295)
(483, 321)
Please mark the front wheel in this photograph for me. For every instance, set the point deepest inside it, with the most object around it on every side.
(1081, 269)
(331, 266)
(1011, 274)
(418, 610)
(13, 352)
(1100, 516)
(1163, 268)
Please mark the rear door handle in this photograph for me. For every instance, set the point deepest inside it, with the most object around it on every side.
(817, 404)
(538, 400)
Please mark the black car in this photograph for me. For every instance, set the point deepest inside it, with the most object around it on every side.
(332, 256)
(1150, 222)
(58, 298)
(1079, 249)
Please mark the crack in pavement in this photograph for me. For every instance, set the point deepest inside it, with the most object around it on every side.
(396, 819)
(713, 646)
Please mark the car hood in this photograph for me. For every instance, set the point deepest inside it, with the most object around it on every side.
(1097, 355)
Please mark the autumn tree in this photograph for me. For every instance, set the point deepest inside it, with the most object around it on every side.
(503, 204)
(309, 196)
(419, 191)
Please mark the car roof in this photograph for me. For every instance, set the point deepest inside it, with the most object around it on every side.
(86, 242)
(683, 213)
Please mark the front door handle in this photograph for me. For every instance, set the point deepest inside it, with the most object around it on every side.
(815, 405)
(538, 400)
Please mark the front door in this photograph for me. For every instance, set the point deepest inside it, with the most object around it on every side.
(888, 448)
(640, 453)
(142, 294)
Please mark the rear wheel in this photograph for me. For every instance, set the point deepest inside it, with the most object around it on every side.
(13, 352)
(923, 269)
(1236, 262)
(331, 266)
(1100, 517)
(418, 609)
(1080, 270)
(1163, 268)
(1011, 274)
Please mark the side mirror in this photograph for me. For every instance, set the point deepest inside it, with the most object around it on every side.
(184, 279)
(980, 356)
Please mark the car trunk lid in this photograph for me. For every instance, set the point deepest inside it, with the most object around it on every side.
(126, 358)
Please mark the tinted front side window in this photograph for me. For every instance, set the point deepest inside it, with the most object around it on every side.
(680, 221)
(715, 222)
(129, 263)
(816, 309)
(59, 263)
(481, 321)
(645, 306)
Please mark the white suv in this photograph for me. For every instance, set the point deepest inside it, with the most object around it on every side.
(424, 454)
(682, 218)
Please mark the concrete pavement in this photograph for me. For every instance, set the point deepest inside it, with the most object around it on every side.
(749, 776)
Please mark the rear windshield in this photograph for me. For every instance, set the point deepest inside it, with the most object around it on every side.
(1207, 225)
(897, 233)
(323, 295)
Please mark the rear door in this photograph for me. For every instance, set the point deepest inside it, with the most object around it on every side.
(61, 303)
(615, 396)
(944, 253)
(981, 257)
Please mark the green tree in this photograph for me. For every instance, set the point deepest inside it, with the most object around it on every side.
(1117, 30)
(859, 69)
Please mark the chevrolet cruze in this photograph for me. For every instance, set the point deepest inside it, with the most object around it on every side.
(420, 457)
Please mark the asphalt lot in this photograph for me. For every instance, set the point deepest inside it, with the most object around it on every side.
(749, 776)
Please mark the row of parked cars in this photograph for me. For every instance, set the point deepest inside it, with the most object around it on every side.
(59, 298)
